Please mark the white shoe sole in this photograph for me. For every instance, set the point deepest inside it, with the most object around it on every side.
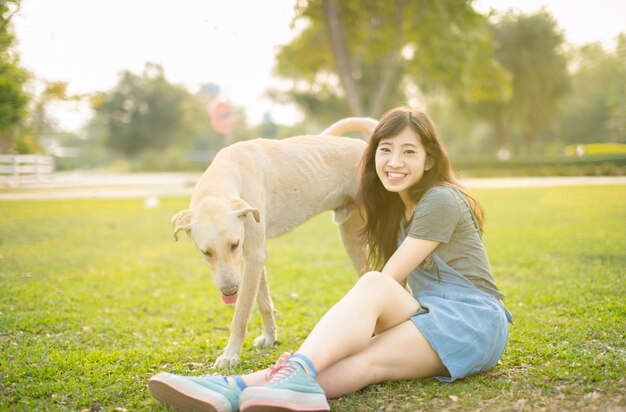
(262, 399)
(185, 395)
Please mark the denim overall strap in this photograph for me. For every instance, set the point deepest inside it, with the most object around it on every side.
(438, 278)
(442, 280)
(460, 282)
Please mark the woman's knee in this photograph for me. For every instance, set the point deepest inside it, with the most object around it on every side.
(374, 279)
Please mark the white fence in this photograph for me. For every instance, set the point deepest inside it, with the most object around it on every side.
(16, 169)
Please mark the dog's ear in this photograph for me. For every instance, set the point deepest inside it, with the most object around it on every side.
(181, 221)
(242, 209)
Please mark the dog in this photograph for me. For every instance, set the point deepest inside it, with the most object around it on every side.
(259, 189)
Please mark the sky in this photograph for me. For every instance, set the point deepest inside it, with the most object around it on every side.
(232, 43)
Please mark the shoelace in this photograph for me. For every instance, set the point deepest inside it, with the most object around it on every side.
(280, 369)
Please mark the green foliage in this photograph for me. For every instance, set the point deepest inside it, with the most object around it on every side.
(13, 98)
(591, 111)
(595, 111)
(146, 113)
(38, 123)
(529, 47)
(96, 297)
(383, 49)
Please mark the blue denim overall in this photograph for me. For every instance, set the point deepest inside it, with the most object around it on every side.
(468, 328)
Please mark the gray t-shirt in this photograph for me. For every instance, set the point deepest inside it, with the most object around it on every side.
(443, 215)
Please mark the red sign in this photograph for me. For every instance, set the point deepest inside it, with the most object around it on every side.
(222, 117)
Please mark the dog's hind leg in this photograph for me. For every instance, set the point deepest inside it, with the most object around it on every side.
(264, 300)
(351, 224)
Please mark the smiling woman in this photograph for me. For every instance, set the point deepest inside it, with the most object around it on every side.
(406, 156)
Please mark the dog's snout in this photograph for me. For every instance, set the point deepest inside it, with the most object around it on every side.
(229, 290)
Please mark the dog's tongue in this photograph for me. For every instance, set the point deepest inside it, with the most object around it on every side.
(229, 300)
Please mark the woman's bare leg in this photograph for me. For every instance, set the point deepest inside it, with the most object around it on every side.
(399, 353)
(375, 303)
(346, 355)
(255, 378)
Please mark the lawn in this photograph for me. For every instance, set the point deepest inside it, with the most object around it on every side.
(96, 297)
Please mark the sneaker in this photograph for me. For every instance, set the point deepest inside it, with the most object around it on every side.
(290, 386)
(186, 393)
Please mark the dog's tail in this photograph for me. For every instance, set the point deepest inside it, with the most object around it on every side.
(351, 124)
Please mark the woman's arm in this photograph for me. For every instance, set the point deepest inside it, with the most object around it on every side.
(411, 253)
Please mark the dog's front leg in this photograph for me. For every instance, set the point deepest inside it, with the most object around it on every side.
(351, 224)
(253, 269)
(264, 300)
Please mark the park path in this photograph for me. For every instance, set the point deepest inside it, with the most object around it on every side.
(87, 185)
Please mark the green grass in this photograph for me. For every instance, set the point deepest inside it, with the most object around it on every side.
(95, 297)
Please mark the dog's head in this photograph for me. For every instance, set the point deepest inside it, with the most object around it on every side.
(217, 229)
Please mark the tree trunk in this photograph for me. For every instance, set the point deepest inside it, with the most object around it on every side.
(392, 61)
(341, 55)
(384, 85)
(527, 136)
(500, 129)
(6, 143)
(528, 131)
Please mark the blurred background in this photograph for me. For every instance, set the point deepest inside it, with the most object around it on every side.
(516, 87)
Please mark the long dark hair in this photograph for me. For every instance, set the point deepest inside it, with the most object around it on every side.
(383, 209)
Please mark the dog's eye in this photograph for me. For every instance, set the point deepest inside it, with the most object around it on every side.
(234, 246)
(208, 253)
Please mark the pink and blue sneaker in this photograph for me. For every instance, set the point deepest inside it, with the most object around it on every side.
(208, 393)
(290, 386)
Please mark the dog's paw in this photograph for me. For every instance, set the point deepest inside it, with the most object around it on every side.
(264, 341)
(226, 361)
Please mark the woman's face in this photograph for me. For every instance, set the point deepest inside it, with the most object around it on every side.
(401, 161)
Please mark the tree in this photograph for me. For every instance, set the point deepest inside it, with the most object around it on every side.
(144, 112)
(37, 130)
(13, 98)
(361, 57)
(595, 110)
(529, 47)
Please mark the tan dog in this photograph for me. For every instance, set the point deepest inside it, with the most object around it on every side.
(259, 189)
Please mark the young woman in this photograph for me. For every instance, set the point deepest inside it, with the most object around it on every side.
(422, 227)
